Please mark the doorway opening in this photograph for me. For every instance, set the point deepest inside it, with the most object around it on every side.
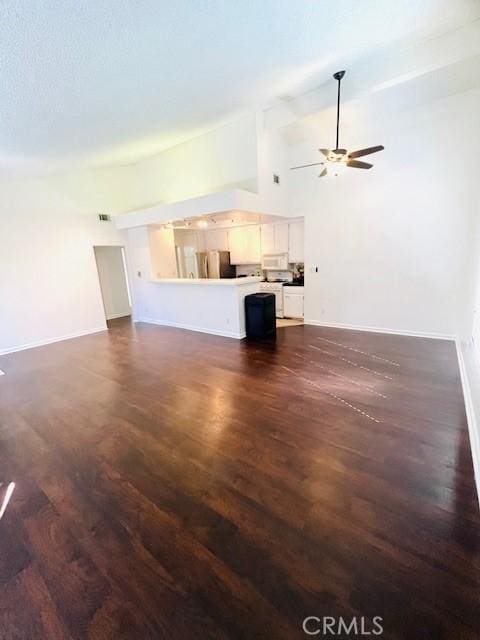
(113, 278)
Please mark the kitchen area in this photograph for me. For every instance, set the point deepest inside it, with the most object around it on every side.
(192, 263)
(235, 246)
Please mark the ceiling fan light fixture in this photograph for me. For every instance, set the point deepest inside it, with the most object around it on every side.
(335, 169)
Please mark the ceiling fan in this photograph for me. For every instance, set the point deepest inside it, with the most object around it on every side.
(337, 159)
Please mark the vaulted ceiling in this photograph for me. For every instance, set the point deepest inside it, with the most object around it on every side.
(101, 82)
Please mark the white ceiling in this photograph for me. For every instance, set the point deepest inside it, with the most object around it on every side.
(102, 82)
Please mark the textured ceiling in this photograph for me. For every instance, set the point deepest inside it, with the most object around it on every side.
(102, 82)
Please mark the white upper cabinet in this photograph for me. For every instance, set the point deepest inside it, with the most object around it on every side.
(236, 243)
(216, 240)
(189, 238)
(281, 238)
(247, 244)
(268, 239)
(244, 243)
(253, 252)
(275, 238)
(296, 241)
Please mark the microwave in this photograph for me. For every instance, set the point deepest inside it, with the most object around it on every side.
(275, 262)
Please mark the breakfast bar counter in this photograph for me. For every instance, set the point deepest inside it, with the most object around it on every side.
(226, 282)
(198, 304)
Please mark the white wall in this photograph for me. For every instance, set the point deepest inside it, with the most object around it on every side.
(113, 284)
(391, 244)
(49, 285)
(471, 329)
(272, 158)
(469, 346)
(140, 269)
(220, 159)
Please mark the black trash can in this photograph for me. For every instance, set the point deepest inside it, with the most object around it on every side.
(260, 315)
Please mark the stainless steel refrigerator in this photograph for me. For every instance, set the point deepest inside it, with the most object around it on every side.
(215, 264)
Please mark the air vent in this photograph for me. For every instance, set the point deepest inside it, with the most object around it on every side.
(104, 217)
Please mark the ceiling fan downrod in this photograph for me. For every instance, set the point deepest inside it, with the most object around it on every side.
(338, 76)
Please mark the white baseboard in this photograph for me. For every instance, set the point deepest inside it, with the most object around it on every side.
(473, 424)
(396, 332)
(189, 327)
(42, 343)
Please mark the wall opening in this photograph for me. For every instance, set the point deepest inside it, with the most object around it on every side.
(113, 278)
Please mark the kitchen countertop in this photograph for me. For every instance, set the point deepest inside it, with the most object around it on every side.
(229, 282)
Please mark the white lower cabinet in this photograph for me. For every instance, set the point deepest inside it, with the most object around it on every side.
(277, 291)
(278, 303)
(293, 302)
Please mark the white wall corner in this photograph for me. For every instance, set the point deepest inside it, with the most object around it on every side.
(42, 343)
(471, 412)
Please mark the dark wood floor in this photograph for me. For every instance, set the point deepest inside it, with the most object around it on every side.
(177, 485)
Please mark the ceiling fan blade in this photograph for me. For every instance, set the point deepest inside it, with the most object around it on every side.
(323, 173)
(325, 152)
(357, 164)
(366, 152)
(302, 166)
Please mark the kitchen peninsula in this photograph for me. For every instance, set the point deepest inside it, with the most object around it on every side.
(183, 270)
(199, 304)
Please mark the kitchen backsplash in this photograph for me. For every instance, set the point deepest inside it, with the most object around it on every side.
(295, 271)
(249, 269)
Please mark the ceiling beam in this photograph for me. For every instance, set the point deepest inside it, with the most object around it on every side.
(394, 67)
